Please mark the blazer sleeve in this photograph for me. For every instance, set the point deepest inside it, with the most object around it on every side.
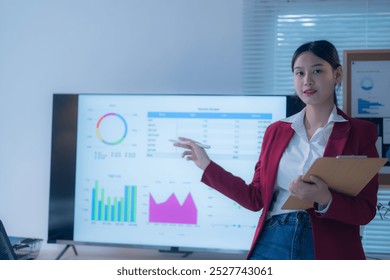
(359, 210)
(250, 196)
(234, 187)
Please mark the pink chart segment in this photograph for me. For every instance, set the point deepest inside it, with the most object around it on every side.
(171, 211)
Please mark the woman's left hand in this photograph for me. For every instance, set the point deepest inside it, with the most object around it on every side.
(317, 191)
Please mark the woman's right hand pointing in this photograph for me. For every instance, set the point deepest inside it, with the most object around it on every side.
(193, 152)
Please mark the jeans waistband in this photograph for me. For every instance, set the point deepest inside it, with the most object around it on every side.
(300, 216)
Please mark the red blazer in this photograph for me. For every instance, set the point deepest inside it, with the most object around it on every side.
(336, 233)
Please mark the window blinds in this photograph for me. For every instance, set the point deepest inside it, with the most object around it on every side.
(273, 29)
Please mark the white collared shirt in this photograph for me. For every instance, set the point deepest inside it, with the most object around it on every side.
(299, 155)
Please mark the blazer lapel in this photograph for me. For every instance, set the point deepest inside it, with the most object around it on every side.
(282, 138)
(337, 139)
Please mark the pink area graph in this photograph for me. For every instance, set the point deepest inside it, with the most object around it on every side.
(171, 211)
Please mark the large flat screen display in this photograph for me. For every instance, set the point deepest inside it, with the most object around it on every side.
(117, 179)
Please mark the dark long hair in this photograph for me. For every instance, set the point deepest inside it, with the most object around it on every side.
(324, 50)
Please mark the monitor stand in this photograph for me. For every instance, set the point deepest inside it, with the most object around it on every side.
(176, 250)
(65, 249)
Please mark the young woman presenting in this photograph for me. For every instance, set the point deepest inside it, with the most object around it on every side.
(330, 229)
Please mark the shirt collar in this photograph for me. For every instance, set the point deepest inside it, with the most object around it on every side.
(297, 119)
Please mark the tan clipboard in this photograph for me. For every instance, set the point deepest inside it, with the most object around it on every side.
(347, 175)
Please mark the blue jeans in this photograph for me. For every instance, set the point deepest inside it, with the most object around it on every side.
(285, 237)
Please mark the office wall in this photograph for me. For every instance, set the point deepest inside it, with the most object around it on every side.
(99, 46)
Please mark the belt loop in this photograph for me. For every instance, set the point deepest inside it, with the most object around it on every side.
(284, 218)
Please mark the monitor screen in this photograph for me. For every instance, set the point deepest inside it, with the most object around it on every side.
(117, 179)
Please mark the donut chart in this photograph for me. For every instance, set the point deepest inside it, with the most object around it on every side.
(366, 83)
(108, 131)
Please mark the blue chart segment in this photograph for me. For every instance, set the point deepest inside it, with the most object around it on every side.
(114, 209)
(367, 107)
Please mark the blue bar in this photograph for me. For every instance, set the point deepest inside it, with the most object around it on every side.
(126, 202)
(133, 197)
(197, 115)
(112, 213)
(119, 211)
(100, 205)
(93, 205)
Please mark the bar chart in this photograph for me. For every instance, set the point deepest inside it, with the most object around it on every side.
(369, 107)
(114, 208)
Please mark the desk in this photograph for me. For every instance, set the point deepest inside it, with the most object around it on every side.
(86, 252)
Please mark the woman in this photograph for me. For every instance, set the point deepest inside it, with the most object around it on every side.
(330, 229)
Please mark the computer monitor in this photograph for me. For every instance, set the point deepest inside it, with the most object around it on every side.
(116, 179)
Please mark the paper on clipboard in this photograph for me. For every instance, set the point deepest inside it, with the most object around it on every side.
(347, 175)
